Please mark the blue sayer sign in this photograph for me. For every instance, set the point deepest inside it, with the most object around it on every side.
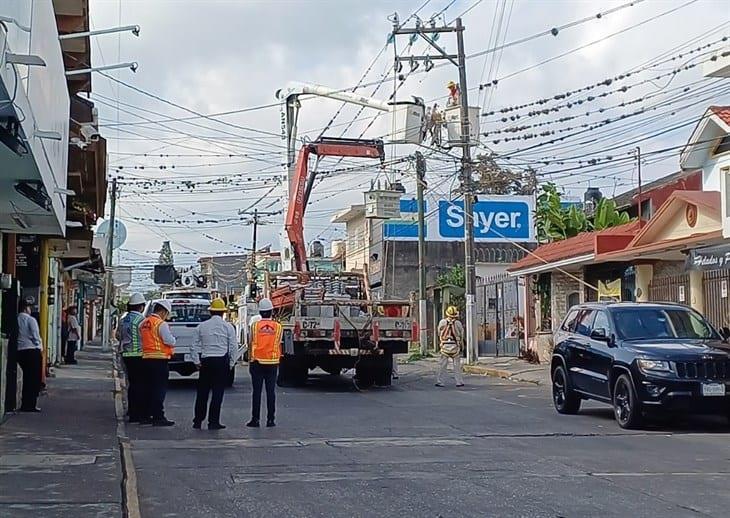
(507, 218)
(405, 228)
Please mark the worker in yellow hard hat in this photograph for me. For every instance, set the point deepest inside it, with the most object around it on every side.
(215, 352)
(451, 342)
(454, 94)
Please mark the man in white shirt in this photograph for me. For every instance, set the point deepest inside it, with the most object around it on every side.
(74, 335)
(30, 358)
(215, 351)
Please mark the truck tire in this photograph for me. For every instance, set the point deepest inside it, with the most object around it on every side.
(364, 375)
(383, 370)
(293, 372)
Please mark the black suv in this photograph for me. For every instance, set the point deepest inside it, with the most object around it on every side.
(638, 357)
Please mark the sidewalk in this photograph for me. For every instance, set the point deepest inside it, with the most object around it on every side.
(506, 367)
(65, 461)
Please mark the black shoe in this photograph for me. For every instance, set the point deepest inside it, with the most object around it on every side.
(216, 426)
(252, 424)
(162, 422)
(196, 426)
(34, 409)
(270, 424)
(145, 421)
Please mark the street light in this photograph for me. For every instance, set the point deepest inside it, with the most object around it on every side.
(134, 29)
(131, 66)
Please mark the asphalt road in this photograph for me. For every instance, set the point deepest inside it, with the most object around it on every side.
(492, 448)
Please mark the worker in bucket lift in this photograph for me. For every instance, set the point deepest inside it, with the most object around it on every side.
(451, 341)
(454, 94)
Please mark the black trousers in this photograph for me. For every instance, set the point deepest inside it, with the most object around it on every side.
(31, 361)
(135, 387)
(70, 351)
(213, 376)
(155, 383)
(260, 375)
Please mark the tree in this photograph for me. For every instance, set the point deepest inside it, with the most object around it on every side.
(555, 222)
(496, 179)
(165, 254)
(450, 278)
(606, 215)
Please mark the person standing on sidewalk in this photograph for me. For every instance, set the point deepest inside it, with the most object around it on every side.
(158, 344)
(215, 351)
(264, 353)
(30, 358)
(451, 341)
(131, 346)
(74, 335)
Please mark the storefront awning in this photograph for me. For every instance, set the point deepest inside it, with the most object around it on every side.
(709, 258)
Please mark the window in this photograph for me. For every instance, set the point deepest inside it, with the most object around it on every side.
(189, 313)
(651, 323)
(573, 299)
(569, 323)
(584, 322)
(723, 146)
(601, 321)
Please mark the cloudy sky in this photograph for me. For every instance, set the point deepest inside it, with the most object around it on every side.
(212, 57)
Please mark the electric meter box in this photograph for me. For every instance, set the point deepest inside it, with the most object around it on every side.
(407, 120)
(382, 204)
(452, 116)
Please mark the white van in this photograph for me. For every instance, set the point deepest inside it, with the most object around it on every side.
(186, 316)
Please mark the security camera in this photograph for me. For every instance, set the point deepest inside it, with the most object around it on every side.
(133, 67)
(89, 133)
(135, 31)
(76, 141)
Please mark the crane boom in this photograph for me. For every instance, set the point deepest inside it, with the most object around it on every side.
(302, 182)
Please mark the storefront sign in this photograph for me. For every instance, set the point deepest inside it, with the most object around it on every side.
(709, 258)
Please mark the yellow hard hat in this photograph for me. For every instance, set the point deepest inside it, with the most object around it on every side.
(452, 312)
(217, 305)
(450, 84)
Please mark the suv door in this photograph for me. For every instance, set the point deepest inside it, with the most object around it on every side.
(598, 357)
(579, 373)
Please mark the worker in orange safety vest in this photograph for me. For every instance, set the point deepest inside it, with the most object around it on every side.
(264, 351)
(158, 345)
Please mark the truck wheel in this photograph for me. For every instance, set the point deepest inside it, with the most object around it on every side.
(364, 377)
(231, 377)
(383, 371)
(292, 372)
(332, 371)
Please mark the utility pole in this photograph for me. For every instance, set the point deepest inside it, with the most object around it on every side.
(252, 269)
(108, 284)
(466, 184)
(428, 32)
(422, 320)
(638, 168)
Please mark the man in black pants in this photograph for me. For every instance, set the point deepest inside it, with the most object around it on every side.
(130, 344)
(264, 354)
(158, 345)
(215, 351)
(30, 358)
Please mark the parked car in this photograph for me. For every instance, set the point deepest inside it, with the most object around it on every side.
(640, 357)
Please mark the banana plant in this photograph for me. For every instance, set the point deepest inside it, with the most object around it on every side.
(606, 215)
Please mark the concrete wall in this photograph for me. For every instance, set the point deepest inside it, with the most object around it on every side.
(561, 286)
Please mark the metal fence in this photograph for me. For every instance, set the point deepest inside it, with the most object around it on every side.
(672, 288)
(498, 303)
(716, 284)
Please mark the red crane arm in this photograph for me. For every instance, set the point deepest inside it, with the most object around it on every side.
(302, 182)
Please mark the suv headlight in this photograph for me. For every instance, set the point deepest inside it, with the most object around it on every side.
(654, 365)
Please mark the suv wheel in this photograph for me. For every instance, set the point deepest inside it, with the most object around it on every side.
(625, 403)
(565, 399)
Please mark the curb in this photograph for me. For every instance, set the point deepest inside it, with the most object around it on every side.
(498, 373)
(130, 497)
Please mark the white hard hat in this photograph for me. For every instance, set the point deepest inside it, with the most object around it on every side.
(265, 305)
(165, 303)
(136, 299)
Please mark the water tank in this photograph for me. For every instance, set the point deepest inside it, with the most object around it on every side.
(591, 198)
(338, 248)
(316, 249)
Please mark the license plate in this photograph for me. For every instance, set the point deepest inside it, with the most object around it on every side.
(713, 389)
(188, 358)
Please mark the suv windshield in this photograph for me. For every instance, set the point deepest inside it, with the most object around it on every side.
(649, 323)
(189, 313)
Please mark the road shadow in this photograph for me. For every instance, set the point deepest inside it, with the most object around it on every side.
(668, 422)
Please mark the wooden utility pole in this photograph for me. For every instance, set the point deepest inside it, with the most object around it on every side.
(420, 184)
(108, 281)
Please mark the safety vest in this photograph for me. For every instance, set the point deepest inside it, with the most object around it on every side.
(129, 334)
(153, 348)
(266, 342)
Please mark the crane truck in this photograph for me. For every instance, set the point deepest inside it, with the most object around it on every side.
(330, 320)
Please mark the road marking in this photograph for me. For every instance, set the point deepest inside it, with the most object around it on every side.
(44, 460)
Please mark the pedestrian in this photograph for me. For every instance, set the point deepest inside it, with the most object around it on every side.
(215, 351)
(30, 357)
(64, 335)
(264, 353)
(158, 345)
(451, 341)
(74, 335)
(130, 345)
